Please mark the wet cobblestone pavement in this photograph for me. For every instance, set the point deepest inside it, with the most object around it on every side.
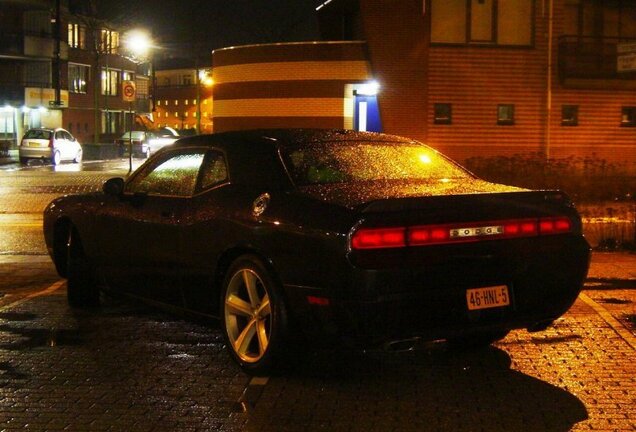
(126, 367)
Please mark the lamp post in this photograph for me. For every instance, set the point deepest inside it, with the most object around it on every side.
(202, 77)
(139, 44)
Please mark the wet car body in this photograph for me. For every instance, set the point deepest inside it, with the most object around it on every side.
(360, 261)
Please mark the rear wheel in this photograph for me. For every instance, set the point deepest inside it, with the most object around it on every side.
(24, 160)
(82, 288)
(57, 158)
(254, 316)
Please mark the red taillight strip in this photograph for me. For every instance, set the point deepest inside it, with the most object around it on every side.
(396, 237)
(379, 238)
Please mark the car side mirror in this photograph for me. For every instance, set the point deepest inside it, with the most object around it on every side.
(114, 186)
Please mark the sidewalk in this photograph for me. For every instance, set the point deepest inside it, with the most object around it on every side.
(613, 266)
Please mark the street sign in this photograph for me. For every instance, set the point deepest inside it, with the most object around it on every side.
(128, 91)
(626, 57)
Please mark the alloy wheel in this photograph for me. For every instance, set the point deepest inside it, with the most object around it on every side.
(248, 315)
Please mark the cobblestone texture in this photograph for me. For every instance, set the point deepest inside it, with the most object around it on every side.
(120, 368)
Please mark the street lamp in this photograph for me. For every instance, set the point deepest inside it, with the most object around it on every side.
(203, 78)
(139, 44)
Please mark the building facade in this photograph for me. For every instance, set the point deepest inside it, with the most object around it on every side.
(473, 78)
(184, 99)
(501, 77)
(81, 91)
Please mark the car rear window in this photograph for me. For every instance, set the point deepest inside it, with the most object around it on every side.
(37, 134)
(367, 161)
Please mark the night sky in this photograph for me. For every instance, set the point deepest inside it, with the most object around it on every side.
(211, 24)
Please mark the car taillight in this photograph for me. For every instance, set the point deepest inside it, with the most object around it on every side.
(51, 141)
(379, 238)
(395, 237)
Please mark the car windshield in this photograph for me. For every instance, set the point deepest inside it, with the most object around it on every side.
(135, 135)
(38, 134)
(339, 162)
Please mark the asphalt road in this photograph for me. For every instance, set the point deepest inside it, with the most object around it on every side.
(127, 367)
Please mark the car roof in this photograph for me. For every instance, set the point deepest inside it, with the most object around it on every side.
(267, 139)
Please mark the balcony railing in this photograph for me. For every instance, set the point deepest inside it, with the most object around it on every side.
(592, 58)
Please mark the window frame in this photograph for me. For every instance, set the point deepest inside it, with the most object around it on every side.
(572, 120)
(494, 30)
(84, 73)
(501, 121)
(442, 120)
(628, 110)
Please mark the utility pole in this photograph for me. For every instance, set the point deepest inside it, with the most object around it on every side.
(57, 66)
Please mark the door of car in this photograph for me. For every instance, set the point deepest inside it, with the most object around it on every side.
(204, 234)
(60, 144)
(141, 232)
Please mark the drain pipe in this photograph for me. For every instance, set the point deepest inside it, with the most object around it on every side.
(546, 148)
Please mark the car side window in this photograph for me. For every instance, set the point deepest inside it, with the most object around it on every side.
(213, 171)
(59, 135)
(175, 174)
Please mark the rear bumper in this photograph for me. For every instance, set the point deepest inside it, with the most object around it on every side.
(35, 153)
(430, 301)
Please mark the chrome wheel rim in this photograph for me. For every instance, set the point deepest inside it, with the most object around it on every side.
(248, 315)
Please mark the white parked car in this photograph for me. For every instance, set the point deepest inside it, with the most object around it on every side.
(47, 143)
(163, 137)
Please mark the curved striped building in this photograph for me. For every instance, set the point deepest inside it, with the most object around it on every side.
(305, 84)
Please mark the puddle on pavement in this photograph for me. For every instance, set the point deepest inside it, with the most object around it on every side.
(29, 338)
(612, 300)
(17, 316)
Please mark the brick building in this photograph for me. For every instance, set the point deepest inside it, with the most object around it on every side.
(88, 74)
(183, 98)
(470, 77)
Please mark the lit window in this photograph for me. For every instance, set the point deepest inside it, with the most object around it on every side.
(77, 78)
(442, 113)
(482, 22)
(176, 102)
(194, 101)
(628, 116)
(109, 41)
(505, 114)
(186, 114)
(205, 101)
(570, 115)
(76, 36)
(176, 114)
(194, 114)
(110, 82)
(185, 101)
(158, 103)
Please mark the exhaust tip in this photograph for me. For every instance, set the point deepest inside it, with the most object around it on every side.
(401, 345)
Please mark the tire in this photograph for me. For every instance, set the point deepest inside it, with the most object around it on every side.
(78, 156)
(254, 316)
(82, 288)
(57, 158)
(24, 160)
(478, 340)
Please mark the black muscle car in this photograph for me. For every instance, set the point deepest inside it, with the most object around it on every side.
(338, 235)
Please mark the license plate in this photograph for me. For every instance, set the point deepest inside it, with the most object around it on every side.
(487, 297)
(34, 144)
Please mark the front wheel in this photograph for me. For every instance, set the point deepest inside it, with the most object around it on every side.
(57, 158)
(254, 316)
(78, 156)
(82, 288)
